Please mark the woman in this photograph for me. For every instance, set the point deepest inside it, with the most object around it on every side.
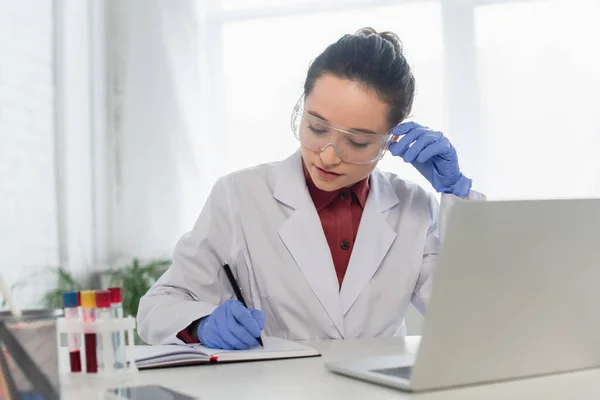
(322, 243)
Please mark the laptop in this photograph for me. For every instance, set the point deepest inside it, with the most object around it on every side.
(516, 294)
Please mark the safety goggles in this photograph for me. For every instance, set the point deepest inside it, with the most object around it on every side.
(351, 146)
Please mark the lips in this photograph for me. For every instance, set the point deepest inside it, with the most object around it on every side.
(326, 175)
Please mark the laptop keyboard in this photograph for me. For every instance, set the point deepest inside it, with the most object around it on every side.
(399, 372)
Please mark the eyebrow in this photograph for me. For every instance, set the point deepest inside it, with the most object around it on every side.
(315, 114)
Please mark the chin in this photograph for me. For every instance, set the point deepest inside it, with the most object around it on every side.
(327, 186)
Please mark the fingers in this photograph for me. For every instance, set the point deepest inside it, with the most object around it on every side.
(208, 331)
(245, 338)
(259, 316)
(224, 327)
(404, 128)
(212, 337)
(229, 340)
(243, 316)
(400, 147)
(232, 326)
(216, 342)
(425, 140)
(419, 143)
(407, 133)
(441, 147)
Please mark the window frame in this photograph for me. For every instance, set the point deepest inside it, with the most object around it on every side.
(460, 62)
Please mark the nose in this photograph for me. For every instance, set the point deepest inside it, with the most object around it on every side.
(329, 155)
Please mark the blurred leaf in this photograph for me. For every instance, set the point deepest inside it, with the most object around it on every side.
(135, 279)
(65, 282)
(53, 299)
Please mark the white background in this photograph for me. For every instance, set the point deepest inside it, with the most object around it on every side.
(117, 117)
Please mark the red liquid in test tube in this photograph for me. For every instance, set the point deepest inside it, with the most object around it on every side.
(73, 339)
(88, 303)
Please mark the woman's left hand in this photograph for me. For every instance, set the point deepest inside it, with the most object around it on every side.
(432, 154)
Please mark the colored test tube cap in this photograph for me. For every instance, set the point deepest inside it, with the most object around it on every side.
(88, 299)
(116, 294)
(70, 299)
(102, 299)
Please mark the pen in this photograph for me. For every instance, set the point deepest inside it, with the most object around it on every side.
(238, 292)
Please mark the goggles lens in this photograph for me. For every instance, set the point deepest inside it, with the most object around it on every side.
(351, 146)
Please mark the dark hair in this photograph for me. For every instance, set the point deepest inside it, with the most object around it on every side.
(373, 59)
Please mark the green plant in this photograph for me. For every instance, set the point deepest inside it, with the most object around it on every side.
(66, 283)
(135, 279)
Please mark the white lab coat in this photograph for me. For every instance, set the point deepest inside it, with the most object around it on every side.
(262, 222)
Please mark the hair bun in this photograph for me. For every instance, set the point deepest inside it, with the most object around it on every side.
(394, 40)
(389, 37)
(373, 59)
(366, 31)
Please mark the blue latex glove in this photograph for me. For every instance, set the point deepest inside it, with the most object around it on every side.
(432, 155)
(231, 327)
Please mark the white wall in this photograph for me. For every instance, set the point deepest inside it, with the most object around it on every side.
(154, 107)
(74, 134)
(28, 197)
(117, 199)
(46, 186)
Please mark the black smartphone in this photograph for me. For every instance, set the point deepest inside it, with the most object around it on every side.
(153, 392)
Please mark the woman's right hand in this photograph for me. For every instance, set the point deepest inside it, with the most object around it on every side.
(231, 327)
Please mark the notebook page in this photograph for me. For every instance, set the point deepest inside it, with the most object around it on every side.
(173, 351)
(272, 345)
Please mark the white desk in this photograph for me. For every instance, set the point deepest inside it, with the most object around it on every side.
(308, 379)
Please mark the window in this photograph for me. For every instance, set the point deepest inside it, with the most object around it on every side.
(258, 4)
(265, 61)
(539, 83)
(28, 209)
(514, 83)
(523, 112)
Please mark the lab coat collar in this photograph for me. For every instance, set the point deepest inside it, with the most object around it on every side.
(290, 186)
(373, 240)
(302, 234)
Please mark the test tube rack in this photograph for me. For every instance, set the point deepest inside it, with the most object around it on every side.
(105, 330)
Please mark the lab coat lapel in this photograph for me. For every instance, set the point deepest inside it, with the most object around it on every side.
(373, 240)
(302, 234)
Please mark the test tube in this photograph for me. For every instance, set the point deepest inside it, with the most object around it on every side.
(88, 303)
(105, 349)
(73, 339)
(118, 337)
(79, 308)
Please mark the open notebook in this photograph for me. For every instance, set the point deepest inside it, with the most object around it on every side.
(177, 355)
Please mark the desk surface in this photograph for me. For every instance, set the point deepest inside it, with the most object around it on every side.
(308, 379)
